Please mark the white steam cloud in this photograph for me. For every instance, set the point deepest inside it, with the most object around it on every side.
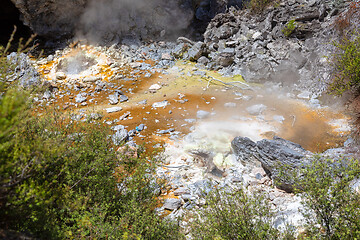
(112, 20)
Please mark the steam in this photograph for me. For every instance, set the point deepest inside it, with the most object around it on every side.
(114, 20)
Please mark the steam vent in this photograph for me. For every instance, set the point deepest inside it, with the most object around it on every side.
(183, 119)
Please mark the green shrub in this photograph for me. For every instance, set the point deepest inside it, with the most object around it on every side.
(289, 28)
(332, 208)
(234, 215)
(258, 6)
(60, 179)
(346, 65)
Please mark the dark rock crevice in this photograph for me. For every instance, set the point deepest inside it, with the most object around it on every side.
(10, 16)
(117, 18)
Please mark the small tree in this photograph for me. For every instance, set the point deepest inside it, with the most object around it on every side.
(346, 65)
(332, 208)
(235, 215)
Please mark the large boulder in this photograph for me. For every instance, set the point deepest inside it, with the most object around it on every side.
(273, 155)
(52, 19)
(23, 70)
(114, 19)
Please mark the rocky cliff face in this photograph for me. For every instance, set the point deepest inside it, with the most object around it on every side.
(51, 19)
(112, 19)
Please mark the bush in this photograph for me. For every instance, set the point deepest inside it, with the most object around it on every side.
(258, 6)
(332, 208)
(234, 215)
(61, 179)
(289, 28)
(346, 65)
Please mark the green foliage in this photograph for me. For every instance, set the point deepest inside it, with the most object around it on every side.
(332, 208)
(234, 215)
(258, 6)
(346, 65)
(289, 28)
(59, 179)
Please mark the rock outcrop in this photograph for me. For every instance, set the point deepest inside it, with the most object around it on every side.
(111, 20)
(51, 19)
(273, 155)
(23, 71)
(286, 44)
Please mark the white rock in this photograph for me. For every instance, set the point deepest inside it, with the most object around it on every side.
(155, 87)
(279, 118)
(256, 109)
(218, 160)
(60, 76)
(113, 109)
(160, 104)
(202, 114)
(230, 105)
(304, 95)
(257, 35)
(92, 79)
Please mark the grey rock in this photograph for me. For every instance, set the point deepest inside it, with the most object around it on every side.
(47, 95)
(196, 51)
(172, 204)
(201, 187)
(80, 98)
(114, 99)
(181, 191)
(166, 131)
(47, 18)
(160, 104)
(179, 50)
(230, 105)
(201, 114)
(187, 197)
(203, 60)
(256, 110)
(113, 109)
(279, 118)
(280, 152)
(95, 116)
(60, 76)
(273, 154)
(199, 73)
(245, 150)
(120, 136)
(123, 98)
(190, 120)
(143, 102)
(92, 78)
(118, 128)
(207, 160)
(304, 95)
(140, 128)
(132, 133)
(23, 70)
(225, 59)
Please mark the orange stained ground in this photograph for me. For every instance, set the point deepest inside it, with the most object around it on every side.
(302, 125)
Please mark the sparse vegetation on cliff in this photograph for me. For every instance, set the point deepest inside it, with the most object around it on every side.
(346, 65)
(258, 6)
(289, 28)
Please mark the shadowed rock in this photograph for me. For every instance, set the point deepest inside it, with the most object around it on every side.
(206, 160)
(273, 155)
